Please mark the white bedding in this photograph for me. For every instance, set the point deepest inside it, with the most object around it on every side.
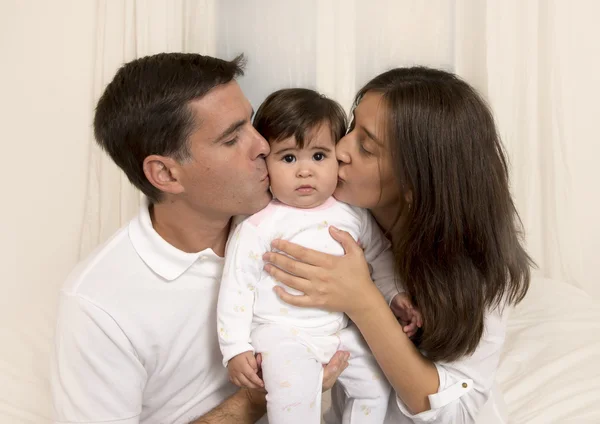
(549, 371)
(550, 368)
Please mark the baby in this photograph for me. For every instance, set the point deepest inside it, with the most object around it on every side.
(302, 128)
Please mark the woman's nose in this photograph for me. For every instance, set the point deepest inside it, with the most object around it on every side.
(341, 152)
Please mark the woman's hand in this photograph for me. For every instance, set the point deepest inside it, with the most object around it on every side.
(335, 283)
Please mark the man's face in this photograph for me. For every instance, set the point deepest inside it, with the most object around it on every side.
(226, 174)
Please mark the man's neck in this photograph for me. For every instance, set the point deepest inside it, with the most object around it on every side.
(189, 230)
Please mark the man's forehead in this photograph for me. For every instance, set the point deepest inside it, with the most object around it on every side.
(222, 105)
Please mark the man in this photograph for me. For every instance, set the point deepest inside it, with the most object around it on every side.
(136, 337)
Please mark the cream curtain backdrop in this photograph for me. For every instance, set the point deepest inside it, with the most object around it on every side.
(126, 30)
(525, 57)
(537, 62)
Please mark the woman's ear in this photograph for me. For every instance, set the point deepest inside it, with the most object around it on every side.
(163, 173)
(408, 197)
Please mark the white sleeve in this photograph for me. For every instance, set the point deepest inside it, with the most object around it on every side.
(243, 267)
(96, 375)
(466, 384)
(378, 254)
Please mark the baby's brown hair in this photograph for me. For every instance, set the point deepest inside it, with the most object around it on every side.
(296, 112)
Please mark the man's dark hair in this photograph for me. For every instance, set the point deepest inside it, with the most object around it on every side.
(296, 112)
(145, 109)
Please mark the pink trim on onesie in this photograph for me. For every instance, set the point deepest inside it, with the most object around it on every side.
(325, 205)
(260, 216)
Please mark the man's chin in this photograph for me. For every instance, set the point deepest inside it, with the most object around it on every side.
(258, 204)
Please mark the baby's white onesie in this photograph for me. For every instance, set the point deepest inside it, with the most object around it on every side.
(295, 342)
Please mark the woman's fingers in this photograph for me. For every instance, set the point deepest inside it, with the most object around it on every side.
(289, 280)
(289, 265)
(294, 300)
(308, 256)
(346, 240)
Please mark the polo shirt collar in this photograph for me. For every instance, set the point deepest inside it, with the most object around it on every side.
(163, 258)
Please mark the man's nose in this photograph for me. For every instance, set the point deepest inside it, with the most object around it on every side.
(261, 147)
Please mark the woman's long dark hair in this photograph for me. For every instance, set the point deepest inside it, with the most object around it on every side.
(457, 247)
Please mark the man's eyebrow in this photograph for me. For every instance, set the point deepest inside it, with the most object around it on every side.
(230, 130)
(233, 128)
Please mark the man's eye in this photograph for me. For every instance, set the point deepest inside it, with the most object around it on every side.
(319, 156)
(289, 158)
(231, 142)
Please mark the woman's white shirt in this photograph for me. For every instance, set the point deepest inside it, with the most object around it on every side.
(467, 391)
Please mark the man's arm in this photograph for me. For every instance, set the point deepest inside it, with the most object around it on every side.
(96, 374)
(243, 407)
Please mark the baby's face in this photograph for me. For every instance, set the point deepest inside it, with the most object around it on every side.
(307, 177)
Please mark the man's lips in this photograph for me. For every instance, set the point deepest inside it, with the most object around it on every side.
(264, 181)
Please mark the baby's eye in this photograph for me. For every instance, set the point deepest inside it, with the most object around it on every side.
(319, 156)
(289, 158)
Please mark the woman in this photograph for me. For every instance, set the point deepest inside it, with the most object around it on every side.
(424, 156)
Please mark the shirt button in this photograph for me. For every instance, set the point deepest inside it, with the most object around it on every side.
(464, 385)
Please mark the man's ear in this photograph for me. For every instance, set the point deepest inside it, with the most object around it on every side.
(163, 173)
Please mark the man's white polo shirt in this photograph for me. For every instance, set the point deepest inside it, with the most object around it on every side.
(136, 337)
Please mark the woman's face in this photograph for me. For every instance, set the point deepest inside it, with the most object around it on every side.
(365, 172)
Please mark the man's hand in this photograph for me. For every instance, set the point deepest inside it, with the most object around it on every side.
(409, 317)
(246, 406)
(243, 371)
(331, 371)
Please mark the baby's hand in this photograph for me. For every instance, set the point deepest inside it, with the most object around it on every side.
(409, 317)
(243, 371)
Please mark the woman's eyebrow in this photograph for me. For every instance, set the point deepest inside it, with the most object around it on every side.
(371, 136)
